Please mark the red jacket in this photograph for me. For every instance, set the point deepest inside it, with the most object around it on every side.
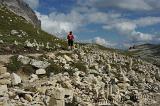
(70, 37)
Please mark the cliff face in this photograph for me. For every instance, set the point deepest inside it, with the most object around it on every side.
(22, 9)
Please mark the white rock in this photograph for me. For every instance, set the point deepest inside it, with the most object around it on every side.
(28, 97)
(14, 32)
(15, 42)
(1, 41)
(40, 71)
(66, 66)
(47, 46)
(24, 59)
(67, 58)
(5, 82)
(3, 70)
(3, 90)
(11, 94)
(29, 44)
(39, 64)
(6, 75)
(33, 78)
(15, 79)
(51, 55)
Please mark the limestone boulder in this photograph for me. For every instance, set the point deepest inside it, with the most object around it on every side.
(5, 76)
(40, 71)
(16, 79)
(39, 64)
(3, 90)
(14, 32)
(3, 70)
(28, 97)
(24, 59)
(33, 77)
(67, 58)
(5, 82)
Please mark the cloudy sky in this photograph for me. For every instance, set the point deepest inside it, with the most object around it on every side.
(113, 23)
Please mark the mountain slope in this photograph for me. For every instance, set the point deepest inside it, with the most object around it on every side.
(17, 33)
(20, 8)
(148, 52)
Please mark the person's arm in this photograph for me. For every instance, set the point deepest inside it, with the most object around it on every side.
(72, 37)
(67, 36)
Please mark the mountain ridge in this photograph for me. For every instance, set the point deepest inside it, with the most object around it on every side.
(148, 52)
(22, 9)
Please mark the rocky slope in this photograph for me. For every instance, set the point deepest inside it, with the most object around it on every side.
(39, 71)
(148, 52)
(87, 76)
(22, 9)
(18, 35)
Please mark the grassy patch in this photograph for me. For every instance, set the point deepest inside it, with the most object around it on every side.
(56, 69)
(80, 65)
(14, 64)
(10, 21)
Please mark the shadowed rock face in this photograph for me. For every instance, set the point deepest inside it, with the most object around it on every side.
(148, 52)
(22, 9)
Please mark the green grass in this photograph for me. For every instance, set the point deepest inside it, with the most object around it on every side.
(56, 69)
(20, 24)
(80, 65)
(14, 64)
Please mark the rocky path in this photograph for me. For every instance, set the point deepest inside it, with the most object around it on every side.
(5, 58)
(88, 76)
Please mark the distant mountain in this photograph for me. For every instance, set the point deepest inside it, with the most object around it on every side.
(148, 52)
(22, 9)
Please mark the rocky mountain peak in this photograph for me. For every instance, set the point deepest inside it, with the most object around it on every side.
(22, 9)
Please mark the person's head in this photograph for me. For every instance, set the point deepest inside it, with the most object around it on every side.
(70, 32)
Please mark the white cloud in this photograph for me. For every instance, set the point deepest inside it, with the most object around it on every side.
(129, 29)
(134, 5)
(101, 17)
(147, 21)
(101, 41)
(59, 23)
(32, 3)
(122, 27)
(139, 36)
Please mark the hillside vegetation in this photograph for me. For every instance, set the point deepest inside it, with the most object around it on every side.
(15, 31)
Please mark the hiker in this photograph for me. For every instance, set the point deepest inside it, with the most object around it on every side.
(70, 38)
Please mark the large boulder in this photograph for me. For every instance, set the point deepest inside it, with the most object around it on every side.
(33, 77)
(16, 79)
(40, 71)
(67, 58)
(5, 82)
(28, 97)
(57, 98)
(5, 76)
(59, 95)
(3, 90)
(3, 70)
(39, 64)
(24, 59)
